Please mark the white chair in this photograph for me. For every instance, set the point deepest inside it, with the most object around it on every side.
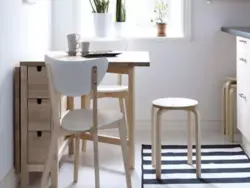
(167, 104)
(77, 78)
(118, 90)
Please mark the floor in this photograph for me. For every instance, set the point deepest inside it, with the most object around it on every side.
(112, 172)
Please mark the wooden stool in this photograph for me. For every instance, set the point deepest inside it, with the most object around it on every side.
(166, 104)
(225, 104)
(231, 111)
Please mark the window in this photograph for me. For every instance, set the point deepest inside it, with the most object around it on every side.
(138, 21)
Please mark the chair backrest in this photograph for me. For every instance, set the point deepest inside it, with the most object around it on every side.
(74, 78)
(110, 45)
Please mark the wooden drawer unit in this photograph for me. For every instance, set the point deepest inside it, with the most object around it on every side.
(35, 119)
(38, 146)
(38, 82)
(39, 115)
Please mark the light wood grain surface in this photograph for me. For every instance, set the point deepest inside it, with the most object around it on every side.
(127, 58)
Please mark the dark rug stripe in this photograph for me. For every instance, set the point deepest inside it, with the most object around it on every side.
(185, 146)
(202, 153)
(190, 171)
(196, 181)
(240, 161)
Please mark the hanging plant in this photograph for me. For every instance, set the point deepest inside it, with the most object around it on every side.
(120, 11)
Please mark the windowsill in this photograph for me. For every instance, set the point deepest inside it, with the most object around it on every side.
(140, 33)
(120, 38)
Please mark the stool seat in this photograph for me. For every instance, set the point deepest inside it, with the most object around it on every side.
(174, 103)
(233, 79)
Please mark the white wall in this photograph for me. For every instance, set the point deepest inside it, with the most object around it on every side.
(24, 32)
(195, 68)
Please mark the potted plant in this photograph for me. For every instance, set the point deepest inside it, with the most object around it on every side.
(120, 16)
(160, 11)
(120, 11)
(102, 18)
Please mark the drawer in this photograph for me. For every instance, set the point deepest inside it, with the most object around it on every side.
(241, 110)
(38, 82)
(38, 147)
(242, 45)
(39, 115)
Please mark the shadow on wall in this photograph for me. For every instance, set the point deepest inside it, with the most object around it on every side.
(6, 98)
(6, 122)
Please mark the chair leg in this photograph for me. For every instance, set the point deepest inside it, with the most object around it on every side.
(198, 146)
(158, 144)
(121, 104)
(124, 146)
(127, 110)
(231, 107)
(49, 160)
(153, 134)
(55, 168)
(76, 161)
(190, 138)
(86, 102)
(96, 160)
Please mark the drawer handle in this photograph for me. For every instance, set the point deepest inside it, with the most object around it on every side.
(39, 134)
(243, 96)
(243, 59)
(243, 41)
(39, 68)
(39, 101)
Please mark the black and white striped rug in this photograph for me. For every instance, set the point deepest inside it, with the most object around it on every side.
(221, 164)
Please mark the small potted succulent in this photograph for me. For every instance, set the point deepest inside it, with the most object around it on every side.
(102, 17)
(160, 18)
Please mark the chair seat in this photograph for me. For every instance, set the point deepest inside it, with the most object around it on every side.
(111, 88)
(81, 120)
(174, 103)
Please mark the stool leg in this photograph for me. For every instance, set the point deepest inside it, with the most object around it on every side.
(190, 138)
(198, 147)
(224, 109)
(158, 144)
(231, 107)
(153, 134)
(76, 161)
(226, 106)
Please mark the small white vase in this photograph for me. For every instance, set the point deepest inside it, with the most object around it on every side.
(102, 24)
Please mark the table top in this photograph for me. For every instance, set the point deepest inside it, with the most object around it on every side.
(126, 58)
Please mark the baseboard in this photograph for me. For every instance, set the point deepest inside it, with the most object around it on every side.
(178, 125)
(10, 180)
(246, 146)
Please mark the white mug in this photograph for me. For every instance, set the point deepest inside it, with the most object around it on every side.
(85, 47)
(73, 42)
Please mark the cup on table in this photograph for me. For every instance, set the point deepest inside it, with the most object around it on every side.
(73, 42)
(85, 47)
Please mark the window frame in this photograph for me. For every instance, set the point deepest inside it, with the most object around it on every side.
(186, 21)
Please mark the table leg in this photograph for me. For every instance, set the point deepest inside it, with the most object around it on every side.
(131, 117)
(85, 103)
(70, 105)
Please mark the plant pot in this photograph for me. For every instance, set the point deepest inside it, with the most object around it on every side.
(102, 24)
(161, 29)
(119, 28)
